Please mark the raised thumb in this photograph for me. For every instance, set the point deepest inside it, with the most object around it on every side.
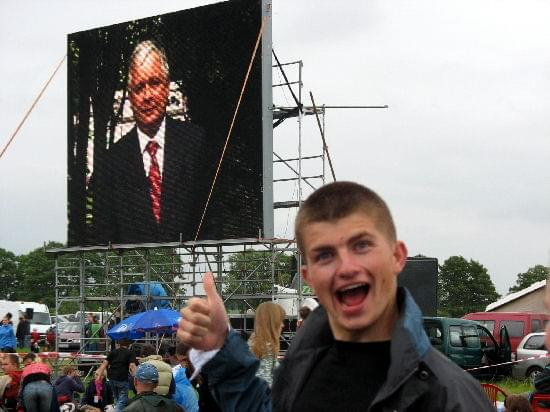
(210, 287)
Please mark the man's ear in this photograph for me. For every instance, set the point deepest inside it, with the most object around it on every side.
(400, 256)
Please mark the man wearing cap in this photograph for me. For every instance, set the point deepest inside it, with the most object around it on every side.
(145, 381)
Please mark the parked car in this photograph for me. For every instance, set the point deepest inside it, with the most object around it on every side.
(59, 319)
(69, 336)
(470, 345)
(518, 324)
(530, 346)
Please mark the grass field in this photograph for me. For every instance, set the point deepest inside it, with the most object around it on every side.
(512, 386)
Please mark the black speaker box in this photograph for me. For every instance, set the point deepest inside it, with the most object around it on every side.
(420, 277)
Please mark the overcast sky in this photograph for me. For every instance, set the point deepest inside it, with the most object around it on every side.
(462, 155)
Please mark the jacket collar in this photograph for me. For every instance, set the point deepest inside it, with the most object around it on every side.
(409, 344)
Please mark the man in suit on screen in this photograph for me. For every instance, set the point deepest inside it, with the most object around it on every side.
(156, 177)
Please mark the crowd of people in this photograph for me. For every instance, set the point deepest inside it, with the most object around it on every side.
(157, 383)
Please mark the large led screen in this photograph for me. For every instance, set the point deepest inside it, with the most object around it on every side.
(150, 105)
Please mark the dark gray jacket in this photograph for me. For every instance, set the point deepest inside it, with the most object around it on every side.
(419, 379)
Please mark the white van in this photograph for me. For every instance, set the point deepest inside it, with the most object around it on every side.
(41, 320)
(40, 314)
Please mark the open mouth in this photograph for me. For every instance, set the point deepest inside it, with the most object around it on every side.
(148, 111)
(354, 294)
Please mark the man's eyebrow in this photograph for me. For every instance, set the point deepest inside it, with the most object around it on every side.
(320, 248)
(354, 238)
(360, 235)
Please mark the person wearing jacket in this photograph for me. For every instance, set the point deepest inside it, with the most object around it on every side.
(67, 384)
(185, 395)
(37, 393)
(147, 400)
(166, 385)
(98, 394)
(363, 349)
(23, 332)
(9, 381)
(7, 337)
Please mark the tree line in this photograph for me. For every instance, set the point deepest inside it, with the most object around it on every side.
(464, 286)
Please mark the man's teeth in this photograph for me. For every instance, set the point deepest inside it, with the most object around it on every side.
(352, 287)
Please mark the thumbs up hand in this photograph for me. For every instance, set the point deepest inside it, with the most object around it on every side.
(204, 320)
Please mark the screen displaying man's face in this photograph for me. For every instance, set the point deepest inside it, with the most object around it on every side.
(149, 87)
(184, 72)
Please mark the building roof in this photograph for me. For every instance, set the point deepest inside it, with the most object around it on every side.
(516, 295)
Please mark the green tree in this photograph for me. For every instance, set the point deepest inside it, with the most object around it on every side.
(37, 275)
(9, 278)
(526, 279)
(250, 272)
(464, 287)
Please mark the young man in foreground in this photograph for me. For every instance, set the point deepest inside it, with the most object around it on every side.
(363, 349)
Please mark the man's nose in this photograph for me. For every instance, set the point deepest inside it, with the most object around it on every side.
(347, 266)
(147, 91)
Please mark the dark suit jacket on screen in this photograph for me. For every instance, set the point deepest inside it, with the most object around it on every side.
(186, 179)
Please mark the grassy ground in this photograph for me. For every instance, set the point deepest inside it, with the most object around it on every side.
(513, 386)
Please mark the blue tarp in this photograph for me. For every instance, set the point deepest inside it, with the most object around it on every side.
(155, 289)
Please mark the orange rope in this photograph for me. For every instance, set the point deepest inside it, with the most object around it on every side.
(32, 107)
(232, 124)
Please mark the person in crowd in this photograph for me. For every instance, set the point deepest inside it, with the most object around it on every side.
(9, 316)
(115, 320)
(186, 396)
(9, 382)
(265, 340)
(517, 403)
(181, 356)
(38, 394)
(23, 332)
(303, 312)
(364, 348)
(98, 394)
(7, 336)
(35, 341)
(94, 330)
(29, 358)
(308, 306)
(118, 364)
(541, 382)
(67, 384)
(166, 385)
(172, 356)
(146, 400)
(50, 339)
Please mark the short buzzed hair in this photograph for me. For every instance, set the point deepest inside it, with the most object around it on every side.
(337, 200)
(144, 49)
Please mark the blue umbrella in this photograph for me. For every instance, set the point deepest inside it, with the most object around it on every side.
(155, 321)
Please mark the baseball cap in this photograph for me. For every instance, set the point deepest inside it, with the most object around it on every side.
(147, 372)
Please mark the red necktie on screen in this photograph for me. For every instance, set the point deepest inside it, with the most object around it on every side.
(154, 179)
